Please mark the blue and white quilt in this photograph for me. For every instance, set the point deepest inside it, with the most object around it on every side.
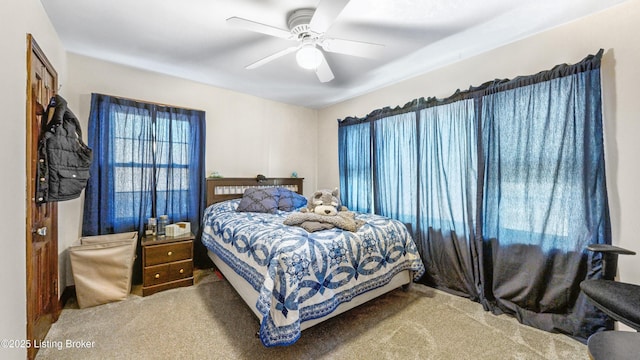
(303, 276)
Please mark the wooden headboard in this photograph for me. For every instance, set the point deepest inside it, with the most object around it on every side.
(221, 189)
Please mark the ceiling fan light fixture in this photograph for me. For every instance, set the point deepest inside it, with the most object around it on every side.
(309, 57)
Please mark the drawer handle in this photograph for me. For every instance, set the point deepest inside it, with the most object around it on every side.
(157, 276)
(170, 253)
(181, 271)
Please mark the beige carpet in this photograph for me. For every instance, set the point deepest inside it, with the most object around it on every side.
(210, 321)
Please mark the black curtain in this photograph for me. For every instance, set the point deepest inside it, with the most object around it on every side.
(544, 196)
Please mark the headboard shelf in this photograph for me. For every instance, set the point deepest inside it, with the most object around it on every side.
(222, 189)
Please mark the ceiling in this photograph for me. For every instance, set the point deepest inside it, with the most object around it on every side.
(191, 39)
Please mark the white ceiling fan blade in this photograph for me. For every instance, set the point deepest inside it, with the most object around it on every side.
(323, 71)
(272, 57)
(258, 27)
(350, 47)
(326, 12)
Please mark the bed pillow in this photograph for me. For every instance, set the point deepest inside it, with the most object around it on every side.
(290, 200)
(262, 200)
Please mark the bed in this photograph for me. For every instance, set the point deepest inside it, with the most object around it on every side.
(292, 279)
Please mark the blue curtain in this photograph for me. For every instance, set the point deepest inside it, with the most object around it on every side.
(504, 185)
(447, 195)
(117, 163)
(395, 170)
(148, 161)
(544, 197)
(356, 183)
(180, 169)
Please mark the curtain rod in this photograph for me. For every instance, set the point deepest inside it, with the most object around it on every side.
(588, 63)
(150, 102)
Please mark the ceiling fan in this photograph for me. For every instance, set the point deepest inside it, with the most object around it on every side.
(307, 27)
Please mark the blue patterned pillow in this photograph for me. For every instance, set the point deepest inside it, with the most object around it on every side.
(262, 200)
(290, 200)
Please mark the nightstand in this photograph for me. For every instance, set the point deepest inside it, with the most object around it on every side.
(167, 262)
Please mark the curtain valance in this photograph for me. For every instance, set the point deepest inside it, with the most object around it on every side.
(590, 62)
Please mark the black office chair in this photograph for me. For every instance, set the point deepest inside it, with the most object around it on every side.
(621, 301)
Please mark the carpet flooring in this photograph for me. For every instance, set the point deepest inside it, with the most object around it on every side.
(210, 321)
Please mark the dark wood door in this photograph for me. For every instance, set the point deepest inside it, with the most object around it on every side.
(42, 220)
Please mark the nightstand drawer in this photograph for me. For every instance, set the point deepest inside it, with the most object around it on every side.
(164, 253)
(159, 274)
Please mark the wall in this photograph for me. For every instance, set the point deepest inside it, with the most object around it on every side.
(616, 30)
(246, 135)
(19, 17)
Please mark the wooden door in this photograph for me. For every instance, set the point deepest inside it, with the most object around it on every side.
(42, 220)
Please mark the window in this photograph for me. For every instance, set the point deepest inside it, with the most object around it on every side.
(355, 167)
(164, 165)
(149, 162)
(535, 171)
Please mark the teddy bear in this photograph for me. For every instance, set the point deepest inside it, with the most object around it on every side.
(324, 211)
(325, 202)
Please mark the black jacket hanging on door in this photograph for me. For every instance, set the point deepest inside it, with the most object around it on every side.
(63, 158)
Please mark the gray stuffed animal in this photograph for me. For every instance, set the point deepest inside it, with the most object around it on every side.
(325, 202)
(324, 211)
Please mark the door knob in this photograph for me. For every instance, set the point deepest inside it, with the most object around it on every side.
(42, 231)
